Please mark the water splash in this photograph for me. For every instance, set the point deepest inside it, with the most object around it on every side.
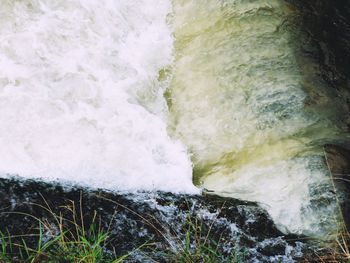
(241, 103)
(71, 76)
(81, 97)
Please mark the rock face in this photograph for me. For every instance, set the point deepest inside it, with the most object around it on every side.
(326, 27)
(136, 218)
(338, 160)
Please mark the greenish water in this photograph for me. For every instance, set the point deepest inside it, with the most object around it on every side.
(154, 95)
(252, 110)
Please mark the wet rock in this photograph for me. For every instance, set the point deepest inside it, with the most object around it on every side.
(327, 23)
(338, 161)
(326, 41)
(136, 218)
(325, 37)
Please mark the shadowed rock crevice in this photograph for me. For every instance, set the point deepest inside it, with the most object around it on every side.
(326, 27)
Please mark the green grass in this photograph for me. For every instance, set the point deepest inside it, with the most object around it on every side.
(200, 246)
(65, 247)
(67, 239)
(196, 242)
(71, 242)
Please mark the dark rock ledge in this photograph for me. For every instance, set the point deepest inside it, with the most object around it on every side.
(136, 218)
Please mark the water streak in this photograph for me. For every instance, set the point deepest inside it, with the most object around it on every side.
(252, 120)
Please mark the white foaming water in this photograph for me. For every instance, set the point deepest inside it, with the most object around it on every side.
(81, 99)
(255, 121)
(71, 75)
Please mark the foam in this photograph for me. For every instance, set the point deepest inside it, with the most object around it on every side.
(70, 77)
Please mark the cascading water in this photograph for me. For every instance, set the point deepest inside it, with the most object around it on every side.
(255, 123)
(71, 76)
(84, 85)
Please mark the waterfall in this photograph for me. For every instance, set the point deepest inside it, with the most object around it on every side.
(254, 121)
(80, 97)
(167, 95)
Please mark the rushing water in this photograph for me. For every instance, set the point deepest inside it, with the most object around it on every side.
(256, 125)
(110, 93)
(70, 76)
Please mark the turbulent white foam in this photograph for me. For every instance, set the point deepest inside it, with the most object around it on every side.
(70, 76)
(81, 100)
(283, 190)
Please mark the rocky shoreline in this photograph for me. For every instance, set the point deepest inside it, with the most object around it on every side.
(133, 219)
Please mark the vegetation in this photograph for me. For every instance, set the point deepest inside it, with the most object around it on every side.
(71, 242)
(343, 252)
(68, 240)
(80, 248)
(199, 246)
(196, 242)
(339, 252)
